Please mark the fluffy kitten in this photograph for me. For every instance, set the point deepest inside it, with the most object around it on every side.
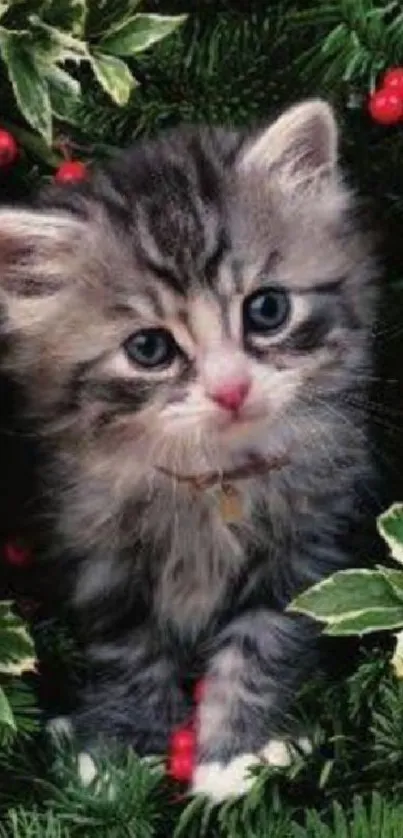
(200, 304)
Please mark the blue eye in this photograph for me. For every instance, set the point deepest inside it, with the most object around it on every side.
(266, 310)
(151, 348)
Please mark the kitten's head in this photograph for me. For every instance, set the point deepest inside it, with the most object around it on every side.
(199, 300)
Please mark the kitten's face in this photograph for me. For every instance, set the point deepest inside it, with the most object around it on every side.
(202, 306)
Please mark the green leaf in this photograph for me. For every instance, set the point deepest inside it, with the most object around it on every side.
(139, 32)
(28, 82)
(6, 713)
(64, 93)
(68, 15)
(390, 527)
(346, 594)
(17, 652)
(69, 48)
(4, 6)
(114, 76)
(366, 621)
(395, 580)
(105, 15)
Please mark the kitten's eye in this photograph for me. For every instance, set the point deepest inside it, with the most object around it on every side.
(266, 310)
(151, 348)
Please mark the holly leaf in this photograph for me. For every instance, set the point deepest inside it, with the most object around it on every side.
(367, 621)
(64, 93)
(6, 714)
(395, 580)
(17, 651)
(104, 15)
(347, 594)
(4, 6)
(390, 527)
(114, 76)
(139, 32)
(67, 46)
(29, 84)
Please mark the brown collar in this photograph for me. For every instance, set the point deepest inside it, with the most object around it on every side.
(256, 466)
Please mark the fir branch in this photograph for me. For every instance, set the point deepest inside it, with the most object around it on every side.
(358, 40)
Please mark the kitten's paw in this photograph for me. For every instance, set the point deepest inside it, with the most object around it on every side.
(220, 781)
(280, 753)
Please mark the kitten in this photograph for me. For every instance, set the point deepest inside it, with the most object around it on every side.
(202, 305)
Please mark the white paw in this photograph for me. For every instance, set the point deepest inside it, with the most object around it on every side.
(280, 753)
(220, 782)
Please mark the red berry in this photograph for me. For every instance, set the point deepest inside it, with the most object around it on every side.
(183, 741)
(8, 148)
(199, 690)
(180, 767)
(71, 170)
(393, 80)
(16, 555)
(386, 107)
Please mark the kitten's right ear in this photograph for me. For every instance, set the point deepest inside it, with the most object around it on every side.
(34, 245)
(300, 145)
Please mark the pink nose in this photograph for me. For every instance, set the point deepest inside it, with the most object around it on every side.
(231, 395)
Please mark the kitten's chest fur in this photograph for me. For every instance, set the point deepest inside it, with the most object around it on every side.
(201, 556)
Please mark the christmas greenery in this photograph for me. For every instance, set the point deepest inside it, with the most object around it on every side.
(79, 78)
(44, 45)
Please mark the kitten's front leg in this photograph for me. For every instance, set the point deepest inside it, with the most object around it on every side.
(250, 684)
(135, 697)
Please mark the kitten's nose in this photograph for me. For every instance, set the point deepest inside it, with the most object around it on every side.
(231, 394)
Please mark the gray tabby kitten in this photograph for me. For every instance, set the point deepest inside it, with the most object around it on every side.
(187, 327)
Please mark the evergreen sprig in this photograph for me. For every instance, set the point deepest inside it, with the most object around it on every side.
(360, 39)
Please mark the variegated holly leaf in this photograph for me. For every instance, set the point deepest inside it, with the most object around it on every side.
(67, 15)
(17, 651)
(28, 82)
(347, 594)
(64, 93)
(105, 14)
(139, 32)
(390, 527)
(366, 621)
(394, 578)
(7, 719)
(69, 48)
(114, 76)
(4, 6)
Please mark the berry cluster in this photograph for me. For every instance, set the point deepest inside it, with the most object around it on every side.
(68, 171)
(386, 103)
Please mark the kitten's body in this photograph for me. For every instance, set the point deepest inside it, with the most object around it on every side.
(177, 234)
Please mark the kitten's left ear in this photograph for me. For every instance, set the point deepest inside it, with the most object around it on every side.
(34, 249)
(300, 145)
